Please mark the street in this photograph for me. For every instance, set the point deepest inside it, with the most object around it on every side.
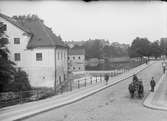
(111, 104)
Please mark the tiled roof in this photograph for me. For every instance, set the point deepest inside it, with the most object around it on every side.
(41, 35)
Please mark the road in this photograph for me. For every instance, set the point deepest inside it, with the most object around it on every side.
(111, 104)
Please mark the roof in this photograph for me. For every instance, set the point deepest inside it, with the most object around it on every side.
(14, 22)
(76, 51)
(41, 35)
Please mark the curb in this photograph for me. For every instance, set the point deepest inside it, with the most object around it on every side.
(24, 116)
(148, 101)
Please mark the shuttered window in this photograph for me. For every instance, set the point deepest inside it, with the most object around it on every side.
(17, 57)
(39, 56)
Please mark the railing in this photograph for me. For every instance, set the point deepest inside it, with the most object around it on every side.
(96, 77)
(12, 98)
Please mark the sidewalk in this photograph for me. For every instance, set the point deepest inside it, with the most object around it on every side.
(158, 98)
(28, 109)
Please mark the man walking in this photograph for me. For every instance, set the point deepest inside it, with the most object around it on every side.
(106, 78)
(152, 84)
(163, 66)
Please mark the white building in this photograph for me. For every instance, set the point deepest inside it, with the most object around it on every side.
(76, 59)
(37, 50)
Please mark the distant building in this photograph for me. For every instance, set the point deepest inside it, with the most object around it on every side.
(37, 50)
(76, 59)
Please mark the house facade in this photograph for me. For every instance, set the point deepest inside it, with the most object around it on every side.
(37, 50)
(76, 59)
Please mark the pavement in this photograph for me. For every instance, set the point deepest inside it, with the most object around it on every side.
(158, 99)
(26, 110)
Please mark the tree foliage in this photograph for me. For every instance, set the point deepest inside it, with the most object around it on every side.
(141, 47)
(7, 69)
(20, 83)
(155, 49)
(100, 48)
(11, 79)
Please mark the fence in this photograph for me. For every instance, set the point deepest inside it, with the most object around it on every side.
(96, 77)
(12, 98)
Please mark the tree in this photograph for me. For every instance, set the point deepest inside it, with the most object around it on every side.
(7, 69)
(140, 47)
(21, 82)
(163, 45)
(94, 48)
(155, 49)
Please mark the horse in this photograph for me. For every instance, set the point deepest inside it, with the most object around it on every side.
(136, 88)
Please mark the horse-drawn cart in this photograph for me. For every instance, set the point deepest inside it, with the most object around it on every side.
(136, 88)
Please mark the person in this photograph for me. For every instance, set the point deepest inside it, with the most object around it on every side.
(163, 66)
(106, 78)
(135, 78)
(131, 89)
(141, 89)
(146, 61)
(152, 84)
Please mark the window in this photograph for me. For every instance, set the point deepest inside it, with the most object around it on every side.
(73, 58)
(68, 58)
(79, 57)
(73, 68)
(79, 68)
(17, 57)
(58, 55)
(16, 40)
(39, 56)
(62, 55)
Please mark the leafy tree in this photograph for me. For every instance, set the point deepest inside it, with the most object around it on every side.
(7, 69)
(10, 78)
(140, 47)
(156, 50)
(21, 82)
(93, 48)
(163, 45)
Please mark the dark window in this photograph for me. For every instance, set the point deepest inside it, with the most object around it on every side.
(73, 68)
(17, 57)
(16, 40)
(74, 58)
(79, 68)
(79, 57)
(39, 56)
(68, 58)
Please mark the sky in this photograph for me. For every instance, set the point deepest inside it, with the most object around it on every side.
(113, 21)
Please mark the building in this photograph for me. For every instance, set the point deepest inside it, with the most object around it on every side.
(76, 59)
(37, 50)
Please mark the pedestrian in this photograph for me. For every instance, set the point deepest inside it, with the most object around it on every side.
(131, 89)
(163, 66)
(141, 89)
(135, 78)
(152, 84)
(106, 78)
(146, 61)
(163, 69)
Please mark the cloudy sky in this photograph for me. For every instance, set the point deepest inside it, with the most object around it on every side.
(113, 21)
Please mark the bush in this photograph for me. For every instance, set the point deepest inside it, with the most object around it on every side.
(20, 83)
